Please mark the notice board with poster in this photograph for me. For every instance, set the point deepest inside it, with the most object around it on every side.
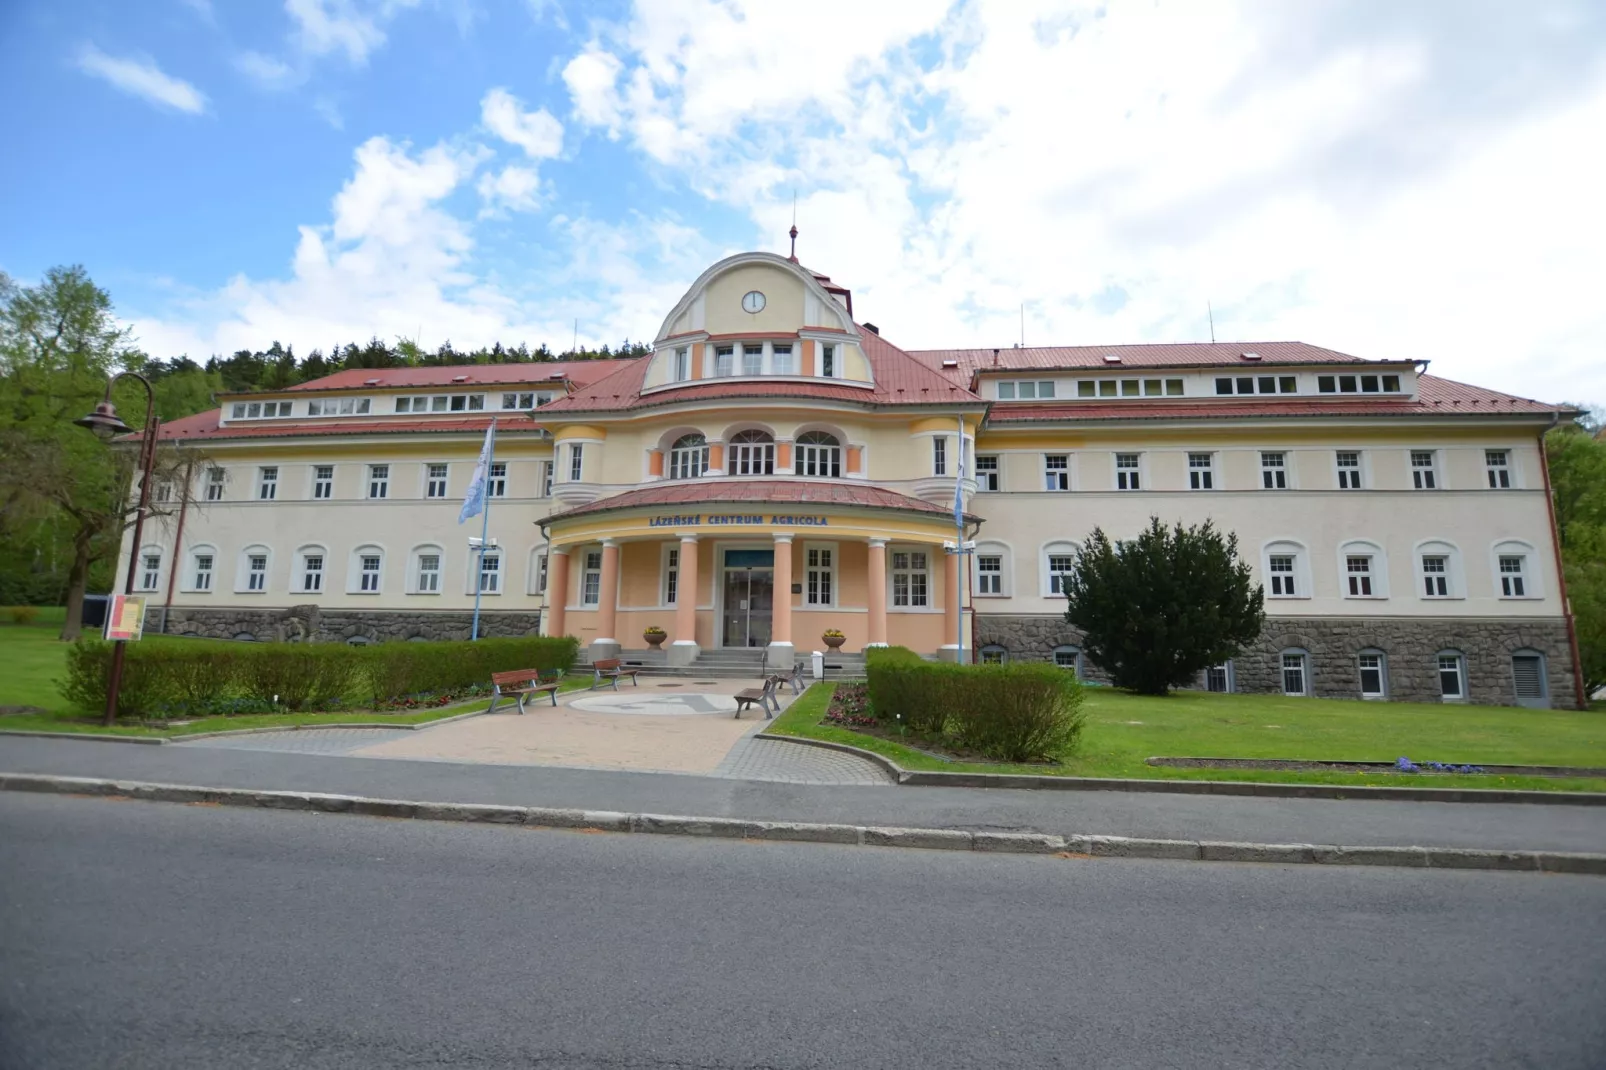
(125, 617)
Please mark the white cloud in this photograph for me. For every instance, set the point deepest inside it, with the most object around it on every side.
(329, 112)
(266, 71)
(513, 187)
(537, 132)
(1349, 178)
(349, 26)
(142, 78)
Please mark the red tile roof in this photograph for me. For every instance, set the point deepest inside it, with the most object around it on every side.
(532, 373)
(1436, 397)
(769, 492)
(1152, 355)
(899, 380)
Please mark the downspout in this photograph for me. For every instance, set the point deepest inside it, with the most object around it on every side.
(178, 540)
(1561, 572)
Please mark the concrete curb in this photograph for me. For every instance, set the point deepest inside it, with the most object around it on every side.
(100, 737)
(1035, 843)
(928, 779)
(97, 737)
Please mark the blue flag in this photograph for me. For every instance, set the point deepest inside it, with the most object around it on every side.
(474, 500)
(959, 501)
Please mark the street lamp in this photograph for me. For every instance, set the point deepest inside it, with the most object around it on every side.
(106, 425)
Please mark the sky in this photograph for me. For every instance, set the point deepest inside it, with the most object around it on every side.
(1392, 179)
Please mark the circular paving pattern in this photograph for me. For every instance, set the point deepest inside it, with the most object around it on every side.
(650, 705)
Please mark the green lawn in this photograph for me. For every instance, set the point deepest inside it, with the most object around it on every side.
(32, 658)
(1124, 729)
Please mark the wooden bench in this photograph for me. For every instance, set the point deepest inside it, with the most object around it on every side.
(762, 697)
(522, 683)
(608, 671)
(793, 678)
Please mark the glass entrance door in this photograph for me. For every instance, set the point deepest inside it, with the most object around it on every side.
(749, 597)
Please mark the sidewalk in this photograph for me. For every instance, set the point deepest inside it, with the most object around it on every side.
(1361, 823)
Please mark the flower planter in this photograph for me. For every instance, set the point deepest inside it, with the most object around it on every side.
(655, 639)
(834, 641)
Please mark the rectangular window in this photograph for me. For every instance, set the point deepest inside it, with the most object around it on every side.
(1498, 464)
(753, 360)
(546, 479)
(496, 480)
(989, 574)
(1086, 388)
(1281, 568)
(1450, 676)
(1246, 384)
(267, 483)
(540, 574)
(781, 359)
(909, 581)
(1152, 388)
(1349, 470)
(828, 361)
(682, 364)
(1358, 570)
(256, 572)
(312, 573)
(1006, 391)
(1287, 384)
(368, 577)
(253, 410)
(1347, 384)
(1371, 666)
(162, 492)
(150, 571)
(1267, 384)
(1026, 391)
(214, 484)
(939, 456)
(671, 575)
(437, 403)
(406, 404)
(435, 481)
(1293, 674)
(238, 411)
(1129, 388)
(986, 472)
(476, 402)
(576, 462)
(203, 572)
(1424, 476)
(1435, 576)
(1223, 386)
(1513, 580)
(1326, 384)
(323, 481)
(591, 579)
(1060, 567)
(1057, 471)
(429, 573)
(459, 403)
(1273, 471)
(1107, 388)
(1173, 388)
(724, 360)
(379, 481)
(1201, 471)
(819, 582)
(490, 572)
(1126, 472)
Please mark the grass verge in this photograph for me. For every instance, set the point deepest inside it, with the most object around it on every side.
(1124, 729)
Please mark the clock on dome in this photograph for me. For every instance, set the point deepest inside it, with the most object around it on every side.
(753, 301)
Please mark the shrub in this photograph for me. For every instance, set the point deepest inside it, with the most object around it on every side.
(23, 614)
(298, 675)
(1013, 713)
(393, 671)
(89, 668)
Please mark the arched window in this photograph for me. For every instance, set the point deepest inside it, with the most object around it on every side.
(150, 568)
(752, 453)
(1373, 666)
(1363, 570)
(366, 572)
(688, 457)
(819, 455)
(251, 575)
(202, 573)
(995, 570)
(424, 571)
(1438, 570)
(1055, 566)
(1069, 658)
(1285, 565)
(1516, 571)
(311, 568)
(993, 654)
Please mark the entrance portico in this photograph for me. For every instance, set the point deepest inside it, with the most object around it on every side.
(863, 560)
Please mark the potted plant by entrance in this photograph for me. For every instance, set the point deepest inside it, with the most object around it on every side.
(833, 638)
(655, 636)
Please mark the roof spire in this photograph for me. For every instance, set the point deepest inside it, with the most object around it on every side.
(793, 231)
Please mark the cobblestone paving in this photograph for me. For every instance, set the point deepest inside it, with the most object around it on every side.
(798, 763)
(308, 741)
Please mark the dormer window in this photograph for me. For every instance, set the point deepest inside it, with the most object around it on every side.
(1026, 389)
(338, 407)
(1358, 384)
(1258, 384)
(1129, 388)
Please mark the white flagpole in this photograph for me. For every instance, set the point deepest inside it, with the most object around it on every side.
(485, 530)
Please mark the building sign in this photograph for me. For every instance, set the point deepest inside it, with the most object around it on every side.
(125, 617)
(776, 520)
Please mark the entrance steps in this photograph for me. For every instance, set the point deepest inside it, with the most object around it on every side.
(726, 664)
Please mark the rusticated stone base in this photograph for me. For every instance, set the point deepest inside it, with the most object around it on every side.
(1411, 647)
(316, 624)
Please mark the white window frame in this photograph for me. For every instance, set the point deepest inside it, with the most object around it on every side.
(547, 469)
(243, 573)
(359, 580)
(1425, 477)
(1301, 567)
(939, 455)
(830, 361)
(1382, 669)
(150, 577)
(1501, 476)
(1202, 476)
(815, 565)
(325, 407)
(378, 485)
(1350, 477)
(989, 479)
(1076, 665)
(1439, 668)
(496, 480)
(750, 458)
(1454, 580)
(194, 572)
(217, 478)
(778, 350)
(1275, 475)
(680, 368)
(437, 486)
(669, 574)
(416, 571)
(1005, 573)
(1377, 571)
(1055, 475)
(687, 462)
(1283, 668)
(267, 483)
(479, 572)
(918, 581)
(298, 579)
(1128, 477)
(1529, 574)
(588, 569)
(323, 487)
(817, 460)
(724, 361)
(539, 560)
(577, 462)
(751, 358)
(1046, 576)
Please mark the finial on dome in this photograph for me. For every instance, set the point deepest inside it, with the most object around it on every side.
(793, 231)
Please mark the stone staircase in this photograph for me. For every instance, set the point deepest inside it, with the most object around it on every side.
(726, 664)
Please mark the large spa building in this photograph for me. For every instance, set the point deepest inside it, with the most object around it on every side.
(775, 468)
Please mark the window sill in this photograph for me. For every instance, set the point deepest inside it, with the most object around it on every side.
(426, 594)
(1288, 598)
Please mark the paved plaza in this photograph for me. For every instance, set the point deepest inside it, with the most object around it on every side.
(665, 727)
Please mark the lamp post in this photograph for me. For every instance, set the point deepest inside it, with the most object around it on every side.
(106, 425)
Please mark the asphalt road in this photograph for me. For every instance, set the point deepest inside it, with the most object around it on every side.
(1354, 822)
(153, 935)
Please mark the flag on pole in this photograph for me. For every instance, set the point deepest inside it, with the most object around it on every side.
(959, 484)
(474, 500)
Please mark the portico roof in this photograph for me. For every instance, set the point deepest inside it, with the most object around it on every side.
(771, 494)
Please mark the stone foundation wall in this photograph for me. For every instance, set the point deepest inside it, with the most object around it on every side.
(1411, 646)
(316, 624)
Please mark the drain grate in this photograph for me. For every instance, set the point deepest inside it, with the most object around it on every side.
(706, 683)
(671, 685)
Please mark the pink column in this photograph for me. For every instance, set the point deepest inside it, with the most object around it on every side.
(781, 616)
(877, 581)
(686, 592)
(557, 592)
(608, 602)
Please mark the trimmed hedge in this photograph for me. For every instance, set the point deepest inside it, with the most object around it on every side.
(1012, 713)
(195, 674)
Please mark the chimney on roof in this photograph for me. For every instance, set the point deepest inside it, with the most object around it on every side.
(995, 358)
(872, 328)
